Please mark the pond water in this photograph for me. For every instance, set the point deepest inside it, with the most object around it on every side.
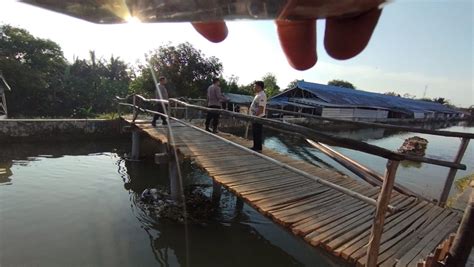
(75, 204)
(425, 179)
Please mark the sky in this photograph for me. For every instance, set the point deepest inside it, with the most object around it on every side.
(419, 47)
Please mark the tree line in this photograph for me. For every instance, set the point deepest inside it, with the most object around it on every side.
(45, 84)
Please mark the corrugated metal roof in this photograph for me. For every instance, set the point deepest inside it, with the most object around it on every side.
(239, 99)
(283, 101)
(357, 98)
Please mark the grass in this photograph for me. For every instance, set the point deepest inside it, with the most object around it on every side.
(461, 185)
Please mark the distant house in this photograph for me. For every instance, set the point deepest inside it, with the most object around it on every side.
(337, 102)
(236, 101)
(3, 100)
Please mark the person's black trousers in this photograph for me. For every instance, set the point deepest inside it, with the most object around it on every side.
(257, 136)
(159, 108)
(214, 117)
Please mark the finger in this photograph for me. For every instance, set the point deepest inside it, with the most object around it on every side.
(346, 37)
(298, 41)
(214, 31)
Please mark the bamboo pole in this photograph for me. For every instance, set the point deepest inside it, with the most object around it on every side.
(379, 218)
(330, 139)
(369, 175)
(380, 125)
(464, 240)
(135, 113)
(326, 138)
(337, 157)
(452, 172)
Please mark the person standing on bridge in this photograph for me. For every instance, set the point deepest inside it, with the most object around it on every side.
(257, 108)
(214, 100)
(160, 93)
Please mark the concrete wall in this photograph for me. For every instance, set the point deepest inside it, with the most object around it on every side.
(14, 130)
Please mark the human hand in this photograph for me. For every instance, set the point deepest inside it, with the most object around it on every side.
(345, 36)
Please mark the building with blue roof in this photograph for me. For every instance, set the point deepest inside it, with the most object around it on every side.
(344, 103)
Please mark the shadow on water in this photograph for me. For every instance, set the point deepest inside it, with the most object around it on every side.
(231, 237)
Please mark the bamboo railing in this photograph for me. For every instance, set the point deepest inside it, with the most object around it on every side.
(465, 138)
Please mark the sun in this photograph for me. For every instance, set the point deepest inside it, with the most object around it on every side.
(133, 20)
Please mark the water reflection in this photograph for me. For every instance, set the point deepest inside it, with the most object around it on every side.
(229, 238)
(23, 154)
(5, 172)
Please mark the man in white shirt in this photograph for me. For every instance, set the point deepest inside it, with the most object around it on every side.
(160, 93)
(257, 108)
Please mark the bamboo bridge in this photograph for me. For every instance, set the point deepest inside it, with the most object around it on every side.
(368, 224)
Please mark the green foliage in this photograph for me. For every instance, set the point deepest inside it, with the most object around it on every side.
(464, 182)
(291, 85)
(45, 84)
(440, 100)
(95, 82)
(408, 95)
(231, 86)
(271, 86)
(392, 94)
(187, 70)
(34, 69)
(341, 83)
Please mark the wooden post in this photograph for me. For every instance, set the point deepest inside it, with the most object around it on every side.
(3, 104)
(135, 113)
(186, 113)
(176, 188)
(135, 144)
(379, 218)
(452, 173)
(216, 192)
(464, 240)
(239, 205)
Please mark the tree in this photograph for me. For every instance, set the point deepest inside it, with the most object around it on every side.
(92, 84)
(341, 83)
(231, 86)
(392, 94)
(34, 68)
(45, 84)
(271, 87)
(441, 100)
(408, 95)
(187, 70)
(292, 85)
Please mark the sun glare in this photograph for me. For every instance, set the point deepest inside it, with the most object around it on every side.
(133, 20)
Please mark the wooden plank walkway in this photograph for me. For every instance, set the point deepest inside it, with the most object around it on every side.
(319, 214)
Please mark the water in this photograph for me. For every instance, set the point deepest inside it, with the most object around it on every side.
(425, 179)
(75, 205)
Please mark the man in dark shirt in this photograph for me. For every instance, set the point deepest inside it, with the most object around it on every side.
(214, 100)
